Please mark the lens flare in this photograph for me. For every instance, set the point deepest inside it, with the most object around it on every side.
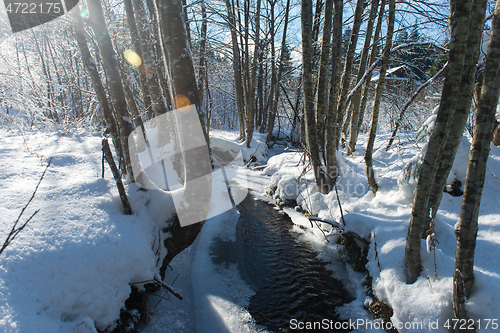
(132, 57)
(181, 101)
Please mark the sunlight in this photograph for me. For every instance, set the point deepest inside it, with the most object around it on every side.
(132, 57)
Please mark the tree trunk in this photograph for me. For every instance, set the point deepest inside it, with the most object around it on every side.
(346, 76)
(110, 64)
(273, 112)
(195, 151)
(322, 92)
(467, 227)
(462, 110)
(202, 71)
(90, 66)
(331, 148)
(356, 100)
(148, 66)
(250, 98)
(459, 22)
(129, 10)
(378, 97)
(373, 57)
(496, 136)
(309, 114)
(240, 103)
(272, 105)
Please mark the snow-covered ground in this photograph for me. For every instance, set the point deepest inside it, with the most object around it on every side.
(70, 270)
(72, 265)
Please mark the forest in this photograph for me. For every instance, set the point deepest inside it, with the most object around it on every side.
(134, 132)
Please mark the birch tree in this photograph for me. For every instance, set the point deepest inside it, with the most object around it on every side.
(378, 97)
(467, 227)
(460, 18)
(111, 66)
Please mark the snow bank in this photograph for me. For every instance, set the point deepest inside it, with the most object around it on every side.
(385, 218)
(70, 269)
(228, 141)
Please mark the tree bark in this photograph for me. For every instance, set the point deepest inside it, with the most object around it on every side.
(89, 63)
(496, 136)
(346, 75)
(459, 23)
(378, 97)
(195, 151)
(116, 175)
(147, 68)
(356, 100)
(116, 92)
(331, 121)
(129, 10)
(322, 92)
(309, 114)
(250, 98)
(238, 84)
(272, 114)
(373, 57)
(467, 227)
(462, 110)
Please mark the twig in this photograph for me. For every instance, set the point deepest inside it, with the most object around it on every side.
(407, 105)
(169, 288)
(14, 231)
(376, 252)
(429, 279)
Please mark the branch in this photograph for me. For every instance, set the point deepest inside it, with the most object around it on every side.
(377, 61)
(14, 231)
(415, 95)
(169, 288)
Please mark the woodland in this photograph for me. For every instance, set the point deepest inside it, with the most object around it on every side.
(318, 75)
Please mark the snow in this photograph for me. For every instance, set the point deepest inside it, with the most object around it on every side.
(70, 270)
(73, 264)
(386, 216)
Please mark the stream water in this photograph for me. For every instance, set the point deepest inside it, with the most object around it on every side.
(288, 279)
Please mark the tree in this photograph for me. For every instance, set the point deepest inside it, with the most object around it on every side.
(467, 227)
(308, 89)
(238, 83)
(251, 75)
(185, 91)
(331, 141)
(110, 63)
(460, 17)
(90, 66)
(346, 75)
(356, 100)
(378, 98)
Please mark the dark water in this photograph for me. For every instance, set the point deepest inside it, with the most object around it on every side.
(288, 280)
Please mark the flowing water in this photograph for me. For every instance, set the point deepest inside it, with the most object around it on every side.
(288, 280)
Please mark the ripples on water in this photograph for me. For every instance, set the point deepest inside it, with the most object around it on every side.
(288, 280)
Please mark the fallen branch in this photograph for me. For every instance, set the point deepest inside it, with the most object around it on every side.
(116, 174)
(14, 231)
(169, 288)
(345, 233)
(330, 222)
